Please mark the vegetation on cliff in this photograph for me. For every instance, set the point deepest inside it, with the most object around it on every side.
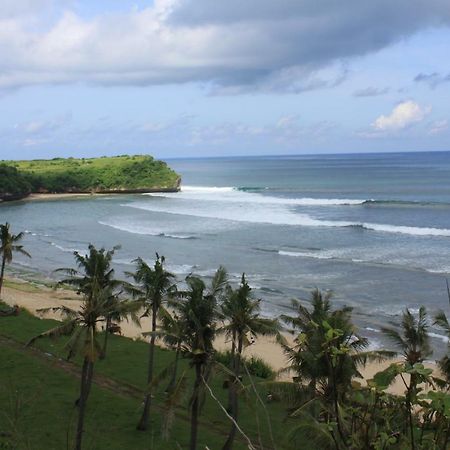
(13, 184)
(106, 174)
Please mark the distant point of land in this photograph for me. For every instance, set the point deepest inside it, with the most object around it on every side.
(105, 175)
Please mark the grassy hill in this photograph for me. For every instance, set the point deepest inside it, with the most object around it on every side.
(99, 175)
(38, 388)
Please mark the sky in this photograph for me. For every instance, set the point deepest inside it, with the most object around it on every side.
(193, 78)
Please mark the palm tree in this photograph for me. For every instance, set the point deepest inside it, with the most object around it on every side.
(197, 310)
(414, 339)
(242, 318)
(442, 321)
(309, 357)
(414, 343)
(9, 246)
(173, 333)
(153, 287)
(81, 326)
(326, 356)
(94, 269)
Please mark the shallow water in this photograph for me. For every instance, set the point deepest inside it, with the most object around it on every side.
(373, 228)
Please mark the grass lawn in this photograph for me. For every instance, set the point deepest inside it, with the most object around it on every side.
(45, 394)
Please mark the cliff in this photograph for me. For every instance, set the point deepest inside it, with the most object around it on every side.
(120, 174)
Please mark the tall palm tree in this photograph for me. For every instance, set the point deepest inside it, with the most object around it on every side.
(8, 246)
(197, 309)
(241, 313)
(442, 321)
(173, 333)
(326, 356)
(413, 340)
(414, 343)
(309, 359)
(81, 326)
(94, 269)
(154, 285)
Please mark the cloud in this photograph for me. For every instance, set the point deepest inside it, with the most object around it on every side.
(439, 126)
(287, 130)
(432, 79)
(403, 115)
(370, 92)
(42, 126)
(234, 46)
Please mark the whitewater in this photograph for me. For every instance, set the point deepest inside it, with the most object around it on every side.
(373, 229)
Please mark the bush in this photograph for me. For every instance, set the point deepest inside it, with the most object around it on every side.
(256, 366)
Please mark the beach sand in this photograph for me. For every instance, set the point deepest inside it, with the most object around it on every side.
(32, 298)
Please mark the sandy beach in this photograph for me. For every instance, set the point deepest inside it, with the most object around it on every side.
(32, 298)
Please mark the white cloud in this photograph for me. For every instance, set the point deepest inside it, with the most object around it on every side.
(237, 46)
(403, 115)
(439, 126)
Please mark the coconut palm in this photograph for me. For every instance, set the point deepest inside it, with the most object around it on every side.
(173, 333)
(94, 269)
(442, 321)
(154, 285)
(241, 313)
(8, 246)
(326, 357)
(82, 327)
(413, 340)
(309, 359)
(197, 310)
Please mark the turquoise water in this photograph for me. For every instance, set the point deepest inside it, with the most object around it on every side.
(373, 228)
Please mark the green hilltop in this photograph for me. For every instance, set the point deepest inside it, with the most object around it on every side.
(118, 174)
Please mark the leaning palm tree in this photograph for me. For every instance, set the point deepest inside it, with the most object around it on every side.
(154, 285)
(8, 246)
(197, 309)
(94, 269)
(82, 327)
(241, 313)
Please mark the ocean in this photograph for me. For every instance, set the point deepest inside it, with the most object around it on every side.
(373, 228)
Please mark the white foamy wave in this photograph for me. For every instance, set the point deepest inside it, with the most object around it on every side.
(65, 249)
(373, 330)
(136, 229)
(444, 270)
(178, 269)
(277, 216)
(207, 189)
(439, 336)
(234, 195)
(304, 254)
(414, 231)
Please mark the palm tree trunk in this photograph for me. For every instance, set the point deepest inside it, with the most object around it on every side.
(171, 385)
(143, 423)
(195, 407)
(86, 380)
(234, 403)
(2, 273)
(233, 369)
(105, 340)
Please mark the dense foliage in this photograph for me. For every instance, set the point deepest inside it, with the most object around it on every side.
(326, 406)
(13, 184)
(121, 173)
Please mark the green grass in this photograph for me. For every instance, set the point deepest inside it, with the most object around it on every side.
(118, 173)
(112, 418)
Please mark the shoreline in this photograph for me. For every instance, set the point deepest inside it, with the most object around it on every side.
(35, 196)
(32, 296)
